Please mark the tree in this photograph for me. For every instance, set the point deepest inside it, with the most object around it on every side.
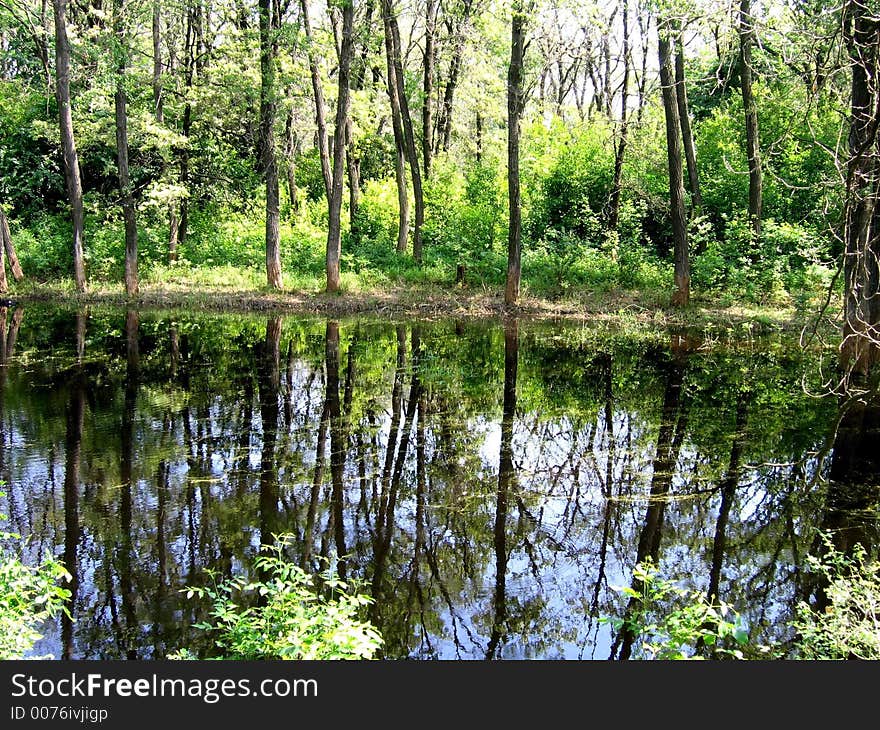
(334, 229)
(318, 91)
(687, 135)
(393, 46)
(682, 274)
(125, 189)
(620, 149)
(9, 250)
(270, 17)
(428, 83)
(68, 144)
(515, 104)
(397, 128)
(861, 334)
(753, 150)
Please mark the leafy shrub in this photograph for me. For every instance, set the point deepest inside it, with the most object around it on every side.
(377, 212)
(28, 596)
(574, 193)
(849, 628)
(769, 269)
(677, 632)
(285, 615)
(309, 175)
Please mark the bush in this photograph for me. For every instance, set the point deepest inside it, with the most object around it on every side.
(769, 269)
(573, 195)
(679, 631)
(849, 628)
(28, 596)
(285, 615)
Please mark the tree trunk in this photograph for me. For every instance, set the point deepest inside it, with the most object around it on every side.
(681, 295)
(444, 123)
(291, 144)
(514, 112)
(353, 162)
(125, 190)
(159, 111)
(4, 284)
(478, 122)
(9, 248)
(408, 133)
(68, 145)
(268, 159)
(397, 127)
(318, 91)
(334, 232)
(620, 150)
(690, 151)
(643, 17)
(753, 149)
(861, 335)
(189, 74)
(428, 84)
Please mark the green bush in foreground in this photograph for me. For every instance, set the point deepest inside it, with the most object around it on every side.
(675, 623)
(680, 632)
(288, 618)
(28, 596)
(849, 628)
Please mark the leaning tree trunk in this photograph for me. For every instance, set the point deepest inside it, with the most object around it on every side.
(514, 112)
(125, 189)
(428, 85)
(68, 145)
(268, 160)
(9, 248)
(190, 69)
(444, 121)
(687, 135)
(334, 232)
(159, 112)
(397, 127)
(753, 150)
(682, 274)
(408, 133)
(861, 334)
(620, 150)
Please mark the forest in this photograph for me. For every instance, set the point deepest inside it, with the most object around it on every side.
(557, 149)
(686, 193)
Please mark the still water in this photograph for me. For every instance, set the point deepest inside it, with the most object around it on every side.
(489, 485)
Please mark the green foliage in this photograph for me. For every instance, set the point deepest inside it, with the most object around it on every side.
(29, 595)
(286, 614)
(675, 623)
(574, 192)
(467, 221)
(800, 182)
(309, 176)
(849, 628)
(766, 269)
(30, 174)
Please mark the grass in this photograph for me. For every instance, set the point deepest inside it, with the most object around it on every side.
(231, 288)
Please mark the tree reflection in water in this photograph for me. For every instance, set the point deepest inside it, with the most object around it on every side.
(488, 485)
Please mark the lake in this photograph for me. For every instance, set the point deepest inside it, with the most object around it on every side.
(490, 485)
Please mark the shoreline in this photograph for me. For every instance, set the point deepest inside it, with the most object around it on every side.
(425, 303)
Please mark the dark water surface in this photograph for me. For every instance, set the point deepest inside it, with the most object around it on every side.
(489, 485)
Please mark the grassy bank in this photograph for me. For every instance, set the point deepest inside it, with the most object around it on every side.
(234, 289)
